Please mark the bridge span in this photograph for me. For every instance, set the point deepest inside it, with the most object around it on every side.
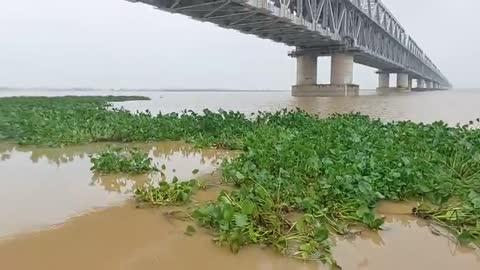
(361, 31)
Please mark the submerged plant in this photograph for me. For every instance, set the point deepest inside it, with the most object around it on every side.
(122, 160)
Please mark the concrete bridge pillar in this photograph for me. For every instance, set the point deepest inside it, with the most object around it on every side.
(307, 70)
(383, 80)
(402, 81)
(420, 83)
(429, 84)
(410, 82)
(342, 69)
(341, 77)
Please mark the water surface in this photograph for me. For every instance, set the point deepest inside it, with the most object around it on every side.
(44, 187)
(453, 106)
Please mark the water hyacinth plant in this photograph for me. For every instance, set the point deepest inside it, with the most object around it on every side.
(328, 172)
(122, 160)
(167, 194)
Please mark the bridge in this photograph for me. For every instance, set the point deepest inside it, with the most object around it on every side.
(360, 31)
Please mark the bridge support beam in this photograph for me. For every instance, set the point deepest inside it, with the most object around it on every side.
(410, 82)
(341, 78)
(402, 81)
(383, 80)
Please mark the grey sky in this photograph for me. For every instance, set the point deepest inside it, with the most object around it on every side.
(118, 44)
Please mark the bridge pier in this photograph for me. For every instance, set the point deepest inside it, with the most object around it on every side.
(402, 81)
(410, 82)
(429, 84)
(420, 84)
(341, 69)
(341, 77)
(307, 69)
(383, 80)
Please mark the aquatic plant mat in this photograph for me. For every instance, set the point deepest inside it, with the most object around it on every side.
(327, 173)
(122, 160)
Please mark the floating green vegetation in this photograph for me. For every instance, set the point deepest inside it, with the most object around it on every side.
(328, 172)
(167, 194)
(75, 120)
(122, 160)
(252, 216)
(56, 121)
(462, 219)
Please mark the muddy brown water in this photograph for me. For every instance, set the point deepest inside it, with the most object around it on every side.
(56, 214)
(44, 187)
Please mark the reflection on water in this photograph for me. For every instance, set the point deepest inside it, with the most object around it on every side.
(59, 155)
(120, 183)
(44, 186)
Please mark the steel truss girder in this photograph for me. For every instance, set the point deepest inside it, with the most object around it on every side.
(366, 27)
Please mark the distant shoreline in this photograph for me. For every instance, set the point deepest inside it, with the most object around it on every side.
(132, 90)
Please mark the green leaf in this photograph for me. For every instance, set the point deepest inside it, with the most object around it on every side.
(241, 220)
(321, 234)
(247, 207)
(396, 175)
(466, 237)
(365, 187)
(239, 175)
(475, 199)
(423, 188)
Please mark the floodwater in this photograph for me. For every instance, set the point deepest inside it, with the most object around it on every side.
(453, 106)
(56, 214)
(44, 187)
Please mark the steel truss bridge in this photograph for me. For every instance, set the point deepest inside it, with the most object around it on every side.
(364, 28)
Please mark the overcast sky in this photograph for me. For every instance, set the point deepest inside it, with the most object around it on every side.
(118, 44)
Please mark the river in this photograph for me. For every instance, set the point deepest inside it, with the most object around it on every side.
(56, 214)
